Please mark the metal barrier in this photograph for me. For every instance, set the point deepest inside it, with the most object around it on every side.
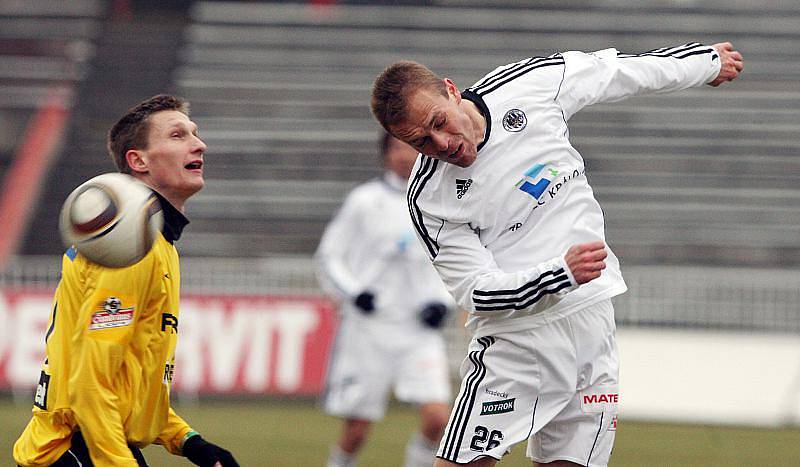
(742, 299)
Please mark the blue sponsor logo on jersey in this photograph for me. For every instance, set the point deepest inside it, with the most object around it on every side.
(537, 179)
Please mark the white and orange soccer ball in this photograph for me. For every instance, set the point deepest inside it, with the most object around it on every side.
(112, 219)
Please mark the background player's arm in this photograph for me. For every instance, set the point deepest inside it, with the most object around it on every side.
(609, 76)
(332, 270)
(479, 286)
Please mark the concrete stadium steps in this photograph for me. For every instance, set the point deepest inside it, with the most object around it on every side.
(271, 217)
(281, 92)
(619, 19)
(203, 240)
(45, 53)
(134, 54)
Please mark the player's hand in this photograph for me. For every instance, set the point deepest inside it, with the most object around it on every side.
(365, 302)
(731, 61)
(433, 314)
(586, 260)
(206, 454)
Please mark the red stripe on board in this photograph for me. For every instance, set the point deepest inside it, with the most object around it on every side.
(25, 175)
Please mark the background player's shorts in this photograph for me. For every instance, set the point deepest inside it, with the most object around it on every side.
(556, 385)
(369, 359)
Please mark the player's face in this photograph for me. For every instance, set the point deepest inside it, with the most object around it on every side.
(400, 158)
(174, 156)
(440, 127)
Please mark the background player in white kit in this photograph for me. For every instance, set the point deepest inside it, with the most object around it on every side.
(392, 306)
(513, 228)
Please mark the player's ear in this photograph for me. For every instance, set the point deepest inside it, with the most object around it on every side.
(136, 161)
(452, 89)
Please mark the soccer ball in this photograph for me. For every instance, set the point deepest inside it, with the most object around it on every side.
(112, 219)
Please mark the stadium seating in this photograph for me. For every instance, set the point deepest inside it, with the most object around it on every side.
(44, 48)
(281, 92)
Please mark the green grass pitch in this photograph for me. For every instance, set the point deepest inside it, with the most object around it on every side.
(296, 433)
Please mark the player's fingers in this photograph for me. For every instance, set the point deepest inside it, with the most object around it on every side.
(577, 250)
(587, 276)
(596, 255)
(726, 46)
(595, 266)
(589, 247)
(589, 257)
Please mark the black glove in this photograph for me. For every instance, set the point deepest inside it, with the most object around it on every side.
(205, 454)
(433, 314)
(365, 302)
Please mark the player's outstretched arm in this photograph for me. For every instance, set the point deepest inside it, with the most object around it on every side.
(731, 63)
(586, 261)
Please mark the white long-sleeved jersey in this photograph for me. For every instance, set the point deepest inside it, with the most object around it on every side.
(370, 245)
(497, 231)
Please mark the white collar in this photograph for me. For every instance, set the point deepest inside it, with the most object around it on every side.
(394, 181)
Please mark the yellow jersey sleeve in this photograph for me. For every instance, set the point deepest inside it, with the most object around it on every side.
(174, 432)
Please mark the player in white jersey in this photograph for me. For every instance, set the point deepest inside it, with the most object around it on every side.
(502, 205)
(392, 305)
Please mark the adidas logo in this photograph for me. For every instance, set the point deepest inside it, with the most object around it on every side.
(462, 186)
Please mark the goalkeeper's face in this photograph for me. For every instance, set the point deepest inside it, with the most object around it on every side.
(172, 164)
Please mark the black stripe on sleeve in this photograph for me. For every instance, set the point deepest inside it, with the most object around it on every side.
(501, 71)
(664, 51)
(540, 62)
(521, 306)
(423, 175)
(679, 52)
(528, 294)
(489, 293)
(523, 297)
(695, 52)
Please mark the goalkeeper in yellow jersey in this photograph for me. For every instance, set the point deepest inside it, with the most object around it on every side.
(103, 392)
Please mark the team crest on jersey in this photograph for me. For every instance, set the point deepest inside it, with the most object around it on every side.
(514, 120)
(111, 314)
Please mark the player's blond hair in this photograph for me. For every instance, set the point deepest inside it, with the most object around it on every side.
(395, 85)
(131, 131)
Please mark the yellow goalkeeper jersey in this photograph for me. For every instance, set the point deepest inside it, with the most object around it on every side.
(110, 350)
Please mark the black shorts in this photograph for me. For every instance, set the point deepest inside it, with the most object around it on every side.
(78, 454)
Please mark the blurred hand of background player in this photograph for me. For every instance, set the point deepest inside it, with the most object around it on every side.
(586, 260)
(206, 454)
(731, 63)
(433, 314)
(365, 301)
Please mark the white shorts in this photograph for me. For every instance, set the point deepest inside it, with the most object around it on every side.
(369, 359)
(555, 385)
